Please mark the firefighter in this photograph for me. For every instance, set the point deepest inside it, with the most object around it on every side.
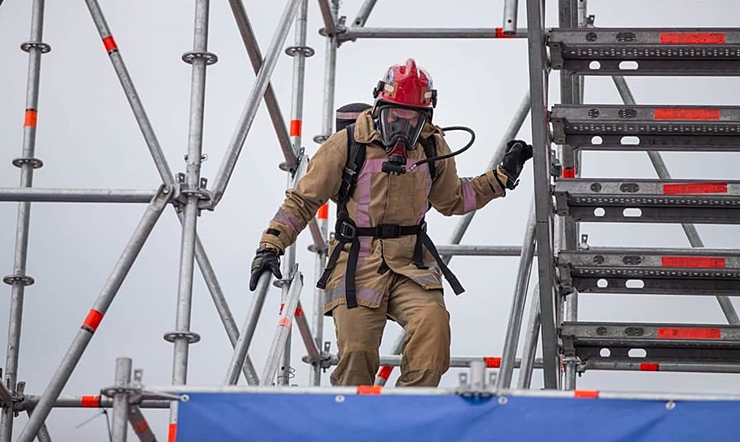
(382, 263)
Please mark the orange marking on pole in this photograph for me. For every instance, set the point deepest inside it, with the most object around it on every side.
(693, 188)
(142, 427)
(706, 38)
(385, 371)
(369, 389)
(492, 361)
(694, 262)
(689, 333)
(586, 394)
(110, 44)
(501, 34)
(324, 212)
(285, 322)
(172, 434)
(90, 401)
(687, 114)
(30, 118)
(649, 366)
(296, 127)
(569, 172)
(92, 321)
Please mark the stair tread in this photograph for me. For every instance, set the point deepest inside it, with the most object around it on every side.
(647, 127)
(652, 51)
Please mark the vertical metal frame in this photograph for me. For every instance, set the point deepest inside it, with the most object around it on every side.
(18, 280)
(543, 201)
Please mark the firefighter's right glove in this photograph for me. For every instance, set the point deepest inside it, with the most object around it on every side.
(517, 154)
(266, 259)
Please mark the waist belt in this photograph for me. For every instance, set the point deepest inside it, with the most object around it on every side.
(347, 232)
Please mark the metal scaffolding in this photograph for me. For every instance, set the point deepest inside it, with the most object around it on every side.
(565, 265)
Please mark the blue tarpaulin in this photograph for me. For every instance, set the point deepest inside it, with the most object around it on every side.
(268, 417)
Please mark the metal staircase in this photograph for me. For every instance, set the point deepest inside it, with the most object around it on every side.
(578, 49)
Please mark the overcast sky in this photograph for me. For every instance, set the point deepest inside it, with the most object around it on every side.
(88, 138)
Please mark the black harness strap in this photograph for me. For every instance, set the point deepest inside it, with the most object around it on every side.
(347, 232)
(423, 238)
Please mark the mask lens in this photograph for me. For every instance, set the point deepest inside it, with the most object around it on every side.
(399, 124)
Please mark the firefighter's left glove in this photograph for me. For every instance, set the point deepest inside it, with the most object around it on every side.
(266, 259)
(517, 154)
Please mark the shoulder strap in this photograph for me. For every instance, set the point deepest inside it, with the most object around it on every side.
(355, 160)
(430, 150)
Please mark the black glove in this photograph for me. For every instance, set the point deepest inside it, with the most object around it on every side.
(517, 153)
(265, 259)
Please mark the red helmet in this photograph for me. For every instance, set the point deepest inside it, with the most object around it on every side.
(404, 100)
(407, 85)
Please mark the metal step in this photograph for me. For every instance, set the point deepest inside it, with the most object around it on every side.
(646, 51)
(601, 343)
(643, 127)
(651, 271)
(648, 201)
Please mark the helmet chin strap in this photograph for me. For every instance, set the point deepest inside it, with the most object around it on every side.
(396, 164)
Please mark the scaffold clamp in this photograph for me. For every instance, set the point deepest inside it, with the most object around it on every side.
(209, 57)
(34, 162)
(23, 280)
(307, 51)
(120, 389)
(27, 46)
(467, 389)
(192, 337)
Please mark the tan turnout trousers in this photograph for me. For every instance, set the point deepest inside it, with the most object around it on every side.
(420, 312)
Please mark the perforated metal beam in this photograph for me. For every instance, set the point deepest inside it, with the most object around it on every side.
(646, 201)
(642, 127)
(652, 271)
(640, 51)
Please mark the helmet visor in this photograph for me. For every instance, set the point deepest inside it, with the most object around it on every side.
(400, 124)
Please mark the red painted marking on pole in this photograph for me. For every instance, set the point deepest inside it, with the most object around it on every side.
(285, 322)
(689, 333)
(687, 114)
(700, 38)
(296, 127)
(385, 371)
(693, 262)
(501, 34)
(369, 389)
(323, 212)
(92, 321)
(30, 118)
(694, 188)
(142, 427)
(569, 172)
(298, 311)
(649, 366)
(492, 361)
(90, 401)
(172, 434)
(695, 333)
(281, 309)
(586, 394)
(110, 44)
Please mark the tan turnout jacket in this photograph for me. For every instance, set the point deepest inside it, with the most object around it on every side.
(379, 198)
